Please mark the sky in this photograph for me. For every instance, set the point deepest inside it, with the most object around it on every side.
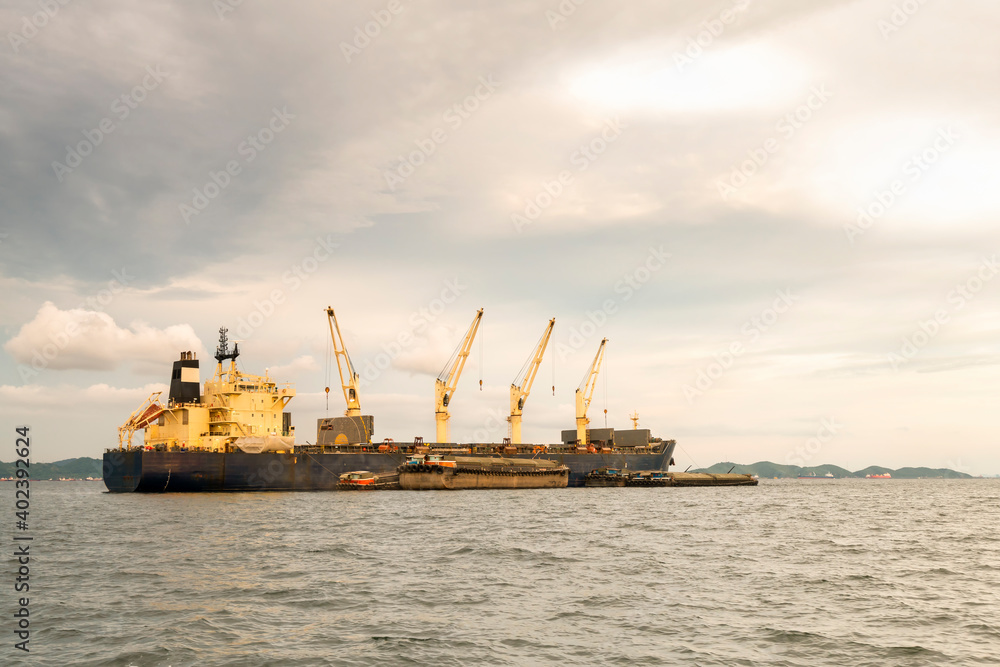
(781, 215)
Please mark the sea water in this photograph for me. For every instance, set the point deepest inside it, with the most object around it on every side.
(792, 572)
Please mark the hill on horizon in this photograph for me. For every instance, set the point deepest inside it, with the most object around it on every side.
(767, 469)
(81, 467)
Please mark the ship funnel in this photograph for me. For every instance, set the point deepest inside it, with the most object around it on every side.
(185, 383)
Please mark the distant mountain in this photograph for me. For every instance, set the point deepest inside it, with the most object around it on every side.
(78, 468)
(766, 469)
(875, 470)
(914, 473)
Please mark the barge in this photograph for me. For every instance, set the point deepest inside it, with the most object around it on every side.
(432, 472)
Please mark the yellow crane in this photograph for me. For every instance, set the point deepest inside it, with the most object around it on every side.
(519, 391)
(585, 392)
(350, 381)
(444, 385)
(147, 413)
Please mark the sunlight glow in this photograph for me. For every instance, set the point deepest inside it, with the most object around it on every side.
(740, 77)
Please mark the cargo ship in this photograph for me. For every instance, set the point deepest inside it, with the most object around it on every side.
(235, 433)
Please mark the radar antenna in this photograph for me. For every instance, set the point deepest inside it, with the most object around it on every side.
(222, 351)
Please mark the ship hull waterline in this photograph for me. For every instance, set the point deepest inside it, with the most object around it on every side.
(150, 471)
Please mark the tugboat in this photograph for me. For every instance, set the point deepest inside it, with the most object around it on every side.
(363, 480)
(603, 477)
(648, 478)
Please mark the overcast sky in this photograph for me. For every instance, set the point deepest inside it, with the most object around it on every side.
(782, 215)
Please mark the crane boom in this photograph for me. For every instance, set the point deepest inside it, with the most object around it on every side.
(519, 392)
(585, 392)
(444, 385)
(349, 382)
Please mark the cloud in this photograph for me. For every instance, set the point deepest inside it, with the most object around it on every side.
(41, 398)
(91, 340)
(430, 353)
(300, 364)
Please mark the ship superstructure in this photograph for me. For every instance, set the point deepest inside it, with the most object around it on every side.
(237, 411)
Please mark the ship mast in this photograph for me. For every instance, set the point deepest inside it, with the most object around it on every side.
(519, 390)
(222, 352)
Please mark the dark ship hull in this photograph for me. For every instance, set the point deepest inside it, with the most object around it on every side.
(151, 471)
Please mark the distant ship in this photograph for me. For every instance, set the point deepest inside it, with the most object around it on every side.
(828, 475)
(236, 435)
(883, 475)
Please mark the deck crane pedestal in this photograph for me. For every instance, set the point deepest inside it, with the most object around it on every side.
(585, 392)
(444, 385)
(521, 387)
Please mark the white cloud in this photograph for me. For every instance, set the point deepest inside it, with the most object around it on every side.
(91, 340)
(428, 354)
(36, 397)
(300, 364)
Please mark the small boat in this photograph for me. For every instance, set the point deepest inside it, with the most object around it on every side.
(363, 480)
(648, 478)
(602, 477)
(828, 475)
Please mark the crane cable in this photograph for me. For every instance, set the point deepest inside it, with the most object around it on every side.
(553, 375)
(329, 344)
(606, 367)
